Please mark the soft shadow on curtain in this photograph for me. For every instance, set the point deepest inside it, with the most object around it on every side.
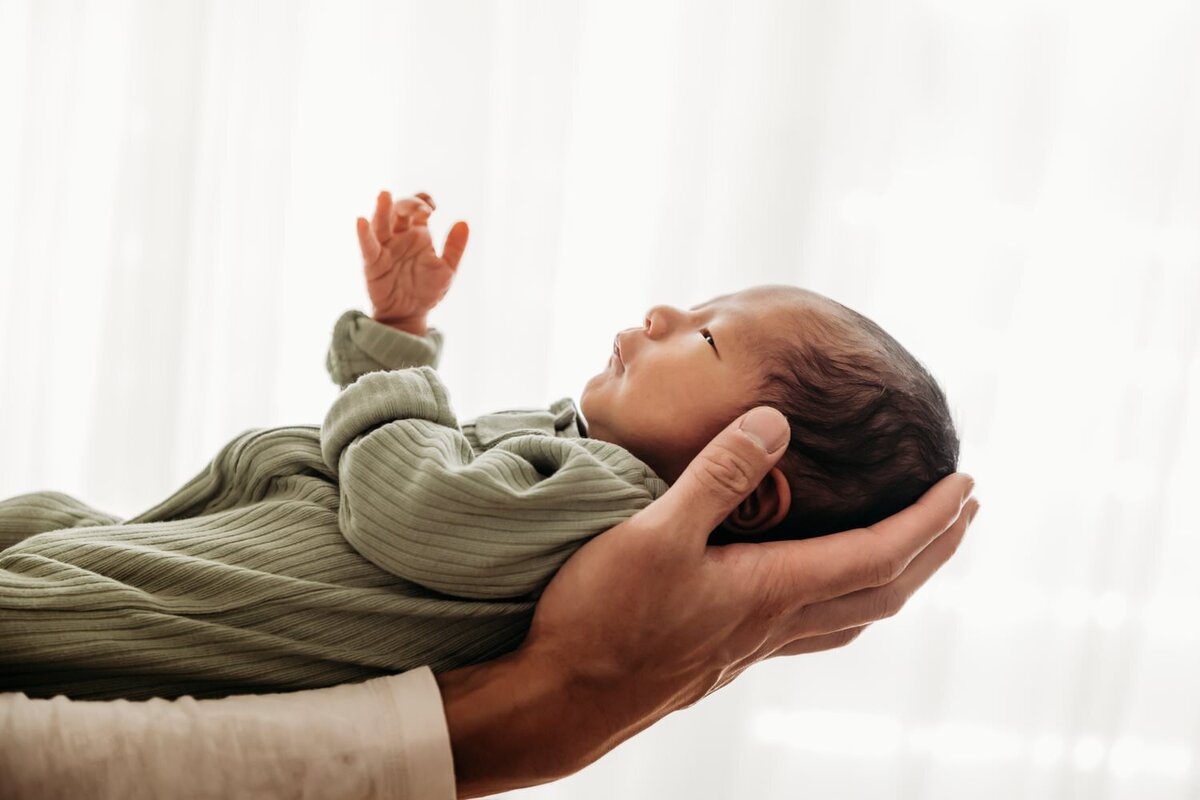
(1013, 190)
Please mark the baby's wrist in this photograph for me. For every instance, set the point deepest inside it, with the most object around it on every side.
(416, 324)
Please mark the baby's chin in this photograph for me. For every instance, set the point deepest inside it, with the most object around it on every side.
(602, 428)
(595, 421)
(591, 401)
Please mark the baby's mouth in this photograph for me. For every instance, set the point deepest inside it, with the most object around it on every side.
(617, 352)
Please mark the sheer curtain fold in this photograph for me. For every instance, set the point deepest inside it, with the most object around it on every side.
(1012, 190)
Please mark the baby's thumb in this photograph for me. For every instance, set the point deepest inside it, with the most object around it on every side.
(723, 475)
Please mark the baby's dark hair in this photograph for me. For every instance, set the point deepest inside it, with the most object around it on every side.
(870, 427)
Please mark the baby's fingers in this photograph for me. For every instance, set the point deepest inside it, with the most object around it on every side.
(382, 223)
(456, 243)
(367, 241)
(416, 209)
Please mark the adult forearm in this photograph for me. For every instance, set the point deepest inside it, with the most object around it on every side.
(520, 720)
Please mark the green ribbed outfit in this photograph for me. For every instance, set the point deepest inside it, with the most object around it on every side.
(388, 538)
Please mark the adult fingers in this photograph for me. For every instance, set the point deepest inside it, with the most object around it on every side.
(812, 570)
(808, 644)
(870, 605)
(724, 473)
(382, 221)
(815, 644)
(456, 243)
(367, 241)
(424, 196)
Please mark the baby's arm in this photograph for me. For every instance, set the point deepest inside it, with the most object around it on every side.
(417, 502)
(405, 278)
(360, 345)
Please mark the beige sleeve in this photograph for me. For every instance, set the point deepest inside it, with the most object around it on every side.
(384, 738)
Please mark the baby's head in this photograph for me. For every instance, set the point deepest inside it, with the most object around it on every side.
(870, 427)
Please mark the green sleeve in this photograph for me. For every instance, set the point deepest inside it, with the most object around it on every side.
(418, 502)
(361, 345)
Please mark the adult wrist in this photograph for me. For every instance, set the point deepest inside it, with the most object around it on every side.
(524, 719)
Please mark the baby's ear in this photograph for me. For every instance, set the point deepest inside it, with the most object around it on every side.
(765, 508)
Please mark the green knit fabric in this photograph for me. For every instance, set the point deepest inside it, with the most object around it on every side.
(387, 538)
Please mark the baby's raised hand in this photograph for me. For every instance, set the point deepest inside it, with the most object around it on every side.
(405, 277)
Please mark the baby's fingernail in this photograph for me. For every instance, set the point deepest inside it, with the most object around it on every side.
(767, 427)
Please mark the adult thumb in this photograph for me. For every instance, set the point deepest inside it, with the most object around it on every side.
(727, 470)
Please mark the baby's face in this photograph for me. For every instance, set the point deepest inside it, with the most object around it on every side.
(684, 375)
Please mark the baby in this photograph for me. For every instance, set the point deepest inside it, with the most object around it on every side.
(393, 536)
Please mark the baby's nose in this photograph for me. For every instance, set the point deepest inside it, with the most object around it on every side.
(659, 320)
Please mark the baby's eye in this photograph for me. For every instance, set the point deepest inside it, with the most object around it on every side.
(708, 337)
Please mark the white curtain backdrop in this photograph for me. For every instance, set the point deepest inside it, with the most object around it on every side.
(1012, 189)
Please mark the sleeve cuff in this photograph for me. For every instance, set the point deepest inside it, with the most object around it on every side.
(423, 766)
(360, 345)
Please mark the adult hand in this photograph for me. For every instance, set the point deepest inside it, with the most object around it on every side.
(647, 618)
